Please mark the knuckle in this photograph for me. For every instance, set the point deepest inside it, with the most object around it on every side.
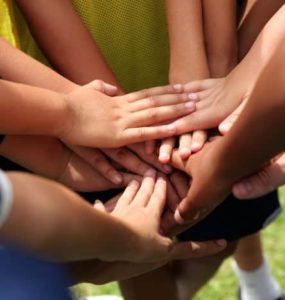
(141, 133)
(152, 101)
(264, 178)
(153, 114)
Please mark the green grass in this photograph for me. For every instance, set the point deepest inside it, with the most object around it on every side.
(223, 285)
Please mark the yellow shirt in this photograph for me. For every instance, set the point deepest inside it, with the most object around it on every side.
(132, 35)
(7, 23)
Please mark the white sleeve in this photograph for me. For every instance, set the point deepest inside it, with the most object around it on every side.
(6, 197)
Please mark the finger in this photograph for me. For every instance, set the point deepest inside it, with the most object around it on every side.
(198, 120)
(157, 200)
(201, 96)
(169, 225)
(158, 115)
(227, 124)
(190, 212)
(161, 90)
(128, 160)
(149, 147)
(199, 138)
(261, 183)
(103, 87)
(151, 159)
(161, 100)
(185, 145)
(177, 162)
(144, 193)
(98, 161)
(165, 150)
(111, 204)
(142, 134)
(128, 177)
(199, 85)
(181, 183)
(172, 197)
(99, 206)
(128, 195)
(185, 250)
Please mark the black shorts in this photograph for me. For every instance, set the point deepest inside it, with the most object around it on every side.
(231, 220)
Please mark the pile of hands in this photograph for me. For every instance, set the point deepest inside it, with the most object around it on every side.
(184, 162)
(172, 180)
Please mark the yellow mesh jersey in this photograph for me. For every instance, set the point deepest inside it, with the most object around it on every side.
(7, 23)
(132, 35)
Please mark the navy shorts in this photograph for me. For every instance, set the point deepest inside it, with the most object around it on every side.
(231, 220)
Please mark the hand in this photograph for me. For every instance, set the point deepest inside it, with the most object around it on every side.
(140, 208)
(265, 181)
(37, 153)
(96, 120)
(214, 103)
(207, 190)
(81, 176)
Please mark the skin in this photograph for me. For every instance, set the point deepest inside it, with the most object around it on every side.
(83, 62)
(222, 153)
(194, 28)
(78, 225)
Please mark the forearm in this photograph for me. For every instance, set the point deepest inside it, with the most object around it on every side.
(220, 26)
(255, 16)
(100, 272)
(19, 67)
(50, 219)
(188, 59)
(35, 153)
(258, 134)
(262, 50)
(52, 23)
(30, 110)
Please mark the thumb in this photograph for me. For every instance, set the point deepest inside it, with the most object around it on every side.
(227, 124)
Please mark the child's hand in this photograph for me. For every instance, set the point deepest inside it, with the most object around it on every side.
(206, 192)
(140, 208)
(214, 103)
(96, 120)
(81, 176)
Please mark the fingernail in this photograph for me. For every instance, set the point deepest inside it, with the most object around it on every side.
(150, 173)
(178, 87)
(221, 243)
(193, 97)
(134, 183)
(190, 105)
(167, 168)
(195, 146)
(164, 157)
(117, 179)
(178, 217)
